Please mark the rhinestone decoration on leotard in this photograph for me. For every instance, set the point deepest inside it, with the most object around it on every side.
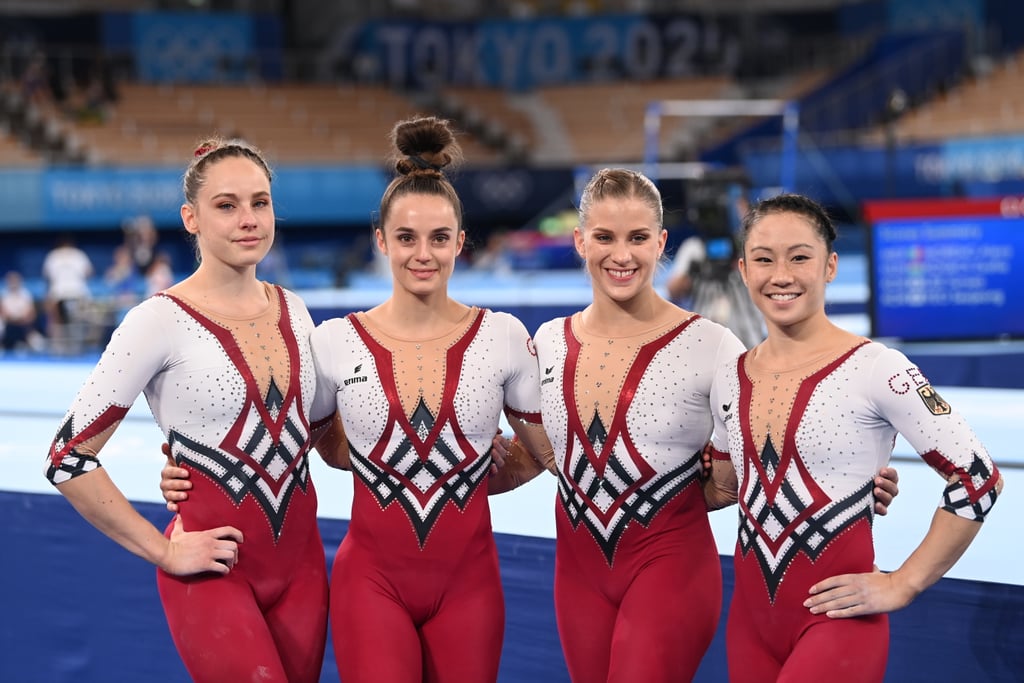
(228, 392)
(420, 462)
(264, 454)
(441, 469)
(783, 510)
(841, 429)
(256, 464)
(776, 527)
(610, 483)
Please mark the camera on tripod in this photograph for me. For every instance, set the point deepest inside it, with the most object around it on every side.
(711, 210)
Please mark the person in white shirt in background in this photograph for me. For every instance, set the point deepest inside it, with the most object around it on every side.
(67, 270)
(18, 315)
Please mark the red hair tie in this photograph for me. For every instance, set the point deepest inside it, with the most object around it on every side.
(200, 151)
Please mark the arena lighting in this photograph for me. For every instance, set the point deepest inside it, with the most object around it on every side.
(659, 109)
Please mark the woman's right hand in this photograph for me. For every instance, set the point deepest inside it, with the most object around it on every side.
(500, 447)
(195, 552)
(174, 483)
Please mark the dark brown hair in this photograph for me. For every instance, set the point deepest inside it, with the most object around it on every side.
(798, 204)
(424, 148)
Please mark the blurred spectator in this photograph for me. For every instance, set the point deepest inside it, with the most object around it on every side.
(67, 270)
(141, 237)
(35, 80)
(121, 278)
(88, 103)
(159, 275)
(494, 257)
(18, 315)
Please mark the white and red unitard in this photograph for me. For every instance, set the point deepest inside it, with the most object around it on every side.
(638, 586)
(232, 397)
(806, 445)
(416, 590)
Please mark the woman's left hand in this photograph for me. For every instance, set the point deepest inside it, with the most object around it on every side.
(855, 595)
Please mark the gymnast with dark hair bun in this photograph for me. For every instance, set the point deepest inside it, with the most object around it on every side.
(415, 388)
(224, 362)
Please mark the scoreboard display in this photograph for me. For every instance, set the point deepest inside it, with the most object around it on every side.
(946, 270)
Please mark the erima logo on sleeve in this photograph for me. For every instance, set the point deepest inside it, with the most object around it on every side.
(356, 377)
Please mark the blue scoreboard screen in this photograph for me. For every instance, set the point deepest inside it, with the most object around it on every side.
(947, 278)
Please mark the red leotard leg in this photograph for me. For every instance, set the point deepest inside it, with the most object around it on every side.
(401, 624)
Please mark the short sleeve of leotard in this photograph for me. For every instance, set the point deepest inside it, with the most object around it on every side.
(722, 396)
(522, 384)
(301, 319)
(903, 397)
(325, 401)
(729, 348)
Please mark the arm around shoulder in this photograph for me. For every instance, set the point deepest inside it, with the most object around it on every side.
(331, 443)
(721, 489)
(529, 455)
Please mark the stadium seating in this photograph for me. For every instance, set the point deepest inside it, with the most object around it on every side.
(324, 123)
(315, 123)
(14, 154)
(321, 123)
(293, 123)
(988, 104)
(604, 121)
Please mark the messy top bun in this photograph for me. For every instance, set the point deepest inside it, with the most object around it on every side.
(424, 149)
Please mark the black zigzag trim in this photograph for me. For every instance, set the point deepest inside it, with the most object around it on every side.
(641, 506)
(457, 486)
(810, 539)
(238, 480)
(386, 489)
(957, 499)
(72, 465)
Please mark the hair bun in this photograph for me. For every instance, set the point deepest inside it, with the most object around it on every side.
(204, 148)
(425, 145)
(422, 163)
